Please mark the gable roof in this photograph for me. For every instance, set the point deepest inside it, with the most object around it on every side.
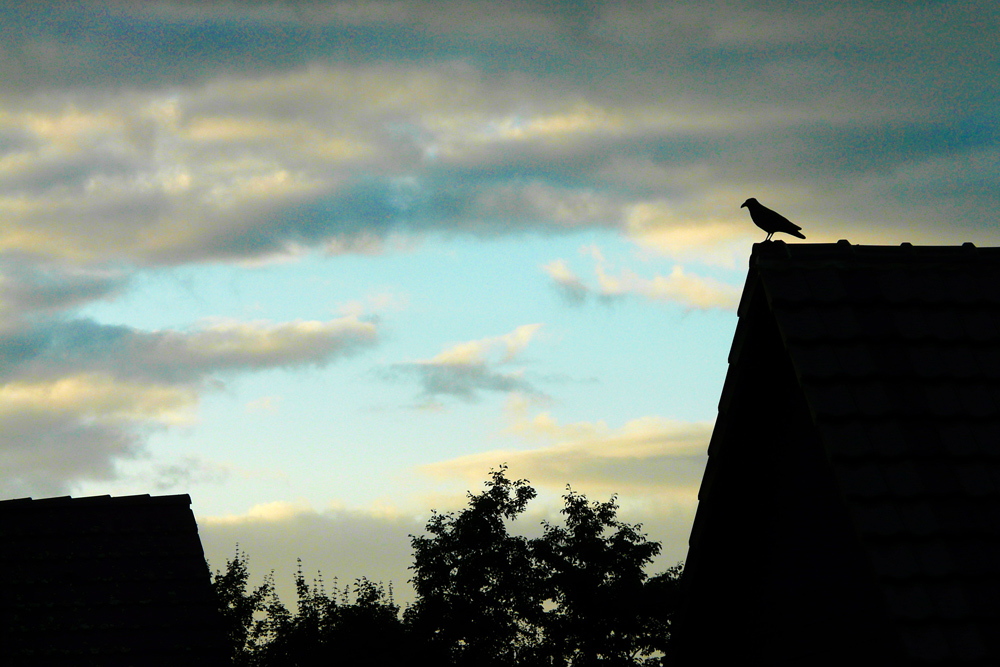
(851, 503)
(105, 581)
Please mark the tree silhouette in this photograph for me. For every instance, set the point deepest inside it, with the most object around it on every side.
(479, 590)
(322, 631)
(578, 595)
(604, 612)
(238, 607)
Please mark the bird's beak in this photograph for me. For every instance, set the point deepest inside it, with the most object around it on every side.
(743, 205)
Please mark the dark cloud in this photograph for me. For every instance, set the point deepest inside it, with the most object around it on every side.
(56, 348)
(29, 286)
(76, 396)
(45, 452)
(179, 132)
(464, 381)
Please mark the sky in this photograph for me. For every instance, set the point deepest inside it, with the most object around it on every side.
(324, 265)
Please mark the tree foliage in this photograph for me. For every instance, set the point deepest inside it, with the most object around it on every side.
(326, 628)
(577, 595)
(478, 588)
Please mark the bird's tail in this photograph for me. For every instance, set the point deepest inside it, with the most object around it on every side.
(796, 232)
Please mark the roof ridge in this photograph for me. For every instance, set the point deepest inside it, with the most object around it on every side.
(141, 498)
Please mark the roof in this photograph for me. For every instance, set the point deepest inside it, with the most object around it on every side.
(856, 457)
(105, 581)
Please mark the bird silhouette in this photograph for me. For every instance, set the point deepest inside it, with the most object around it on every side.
(770, 221)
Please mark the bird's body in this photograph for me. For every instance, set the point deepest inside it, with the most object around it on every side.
(770, 221)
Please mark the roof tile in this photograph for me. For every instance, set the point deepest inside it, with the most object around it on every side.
(909, 599)
(865, 481)
(918, 518)
(894, 559)
(926, 643)
(878, 518)
(935, 558)
(904, 479)
(949, 599)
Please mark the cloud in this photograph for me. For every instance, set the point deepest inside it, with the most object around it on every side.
(77, 397)
(679, 287)
(650, 456)
(464, 370)
(570, 285)
(29, 287)
(125, 139)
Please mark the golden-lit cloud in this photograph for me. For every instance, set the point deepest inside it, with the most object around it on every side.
(86, 396)
(649, 455)
(99, 397)
(464, 370)
(680, 287)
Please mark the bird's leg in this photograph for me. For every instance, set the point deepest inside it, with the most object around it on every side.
(769, 236)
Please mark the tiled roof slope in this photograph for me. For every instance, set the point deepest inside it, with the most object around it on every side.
(897, 351)
(105, 581)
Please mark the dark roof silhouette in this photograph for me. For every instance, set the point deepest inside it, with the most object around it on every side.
(850, 509)
(105, 581)
(770, 221)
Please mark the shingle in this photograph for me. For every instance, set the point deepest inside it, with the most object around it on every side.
(934, 558)
(928, 360)
(977, 399)
(961, 361)
(896, 351)
(919, 518)
(855, 360)
(957, 439)
(949, 599)
(887, 439)
(865, 481)
(987, 361)
(903, 479)
(966, 642)
(815, 361)
(908, 599)
(824, 285)
(896, 286)
(877, 323)
(942, 400)
(912, 323)
(938, 477)
(894, 559)
(922, 440)
(926, 643)
(840, 322)
(803, 324)
(987, 436)
(871, 398)
(892, 359)
(973, 557)
(832, 400)
(97, 576)
(848, 440)
(976, 479)
(788, 286)
(878, 518)
(981, 324)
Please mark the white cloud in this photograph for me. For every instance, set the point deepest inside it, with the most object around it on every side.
(568, 282)
(463, 370)
(645, 457)
(679, 287)
(76, 398)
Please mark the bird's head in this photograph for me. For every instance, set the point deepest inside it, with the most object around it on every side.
(748, 202)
